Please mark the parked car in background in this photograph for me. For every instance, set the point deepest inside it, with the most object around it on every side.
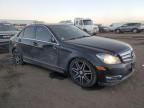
(86, 25)
(130, 27)
(114, 26)
(103, 29)
(68, 49)
(67, 22)
(142, 27)
(6, 32)
(19, 27)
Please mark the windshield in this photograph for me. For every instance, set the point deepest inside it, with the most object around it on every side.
(68, 32)
(7, 27)
(87, 22)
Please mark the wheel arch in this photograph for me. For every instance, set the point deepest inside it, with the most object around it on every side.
(13, 49)
(85, 30)
(73, 58)
(117, 29)
(135, 29)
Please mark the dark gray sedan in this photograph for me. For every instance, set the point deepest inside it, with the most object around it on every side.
(69, 50)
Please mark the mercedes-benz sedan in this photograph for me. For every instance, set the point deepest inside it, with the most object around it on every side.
(67, 49)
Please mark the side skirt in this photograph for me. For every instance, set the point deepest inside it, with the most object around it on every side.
(45, 65)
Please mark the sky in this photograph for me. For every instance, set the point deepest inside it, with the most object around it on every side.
(53, 11)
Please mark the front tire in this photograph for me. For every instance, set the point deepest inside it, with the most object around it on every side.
(82, 73)
(17, 57)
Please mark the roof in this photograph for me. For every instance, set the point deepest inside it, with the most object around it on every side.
(50, 24)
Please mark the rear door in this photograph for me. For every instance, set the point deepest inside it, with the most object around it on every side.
(46, 51)
(124, 27)
(27, 42)
(128, 27)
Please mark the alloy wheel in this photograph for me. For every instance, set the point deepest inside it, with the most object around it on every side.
(17, 57)
(82, 73)
(117, 31)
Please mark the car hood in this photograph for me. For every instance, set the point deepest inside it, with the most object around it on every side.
(111, 45)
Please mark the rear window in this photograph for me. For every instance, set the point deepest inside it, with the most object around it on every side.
(133, 24)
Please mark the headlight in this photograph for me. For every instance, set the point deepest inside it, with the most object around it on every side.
(109, 59)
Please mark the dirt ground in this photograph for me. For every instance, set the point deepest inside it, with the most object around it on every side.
(30, 86)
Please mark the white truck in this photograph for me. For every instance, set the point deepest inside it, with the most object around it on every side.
(86, 25)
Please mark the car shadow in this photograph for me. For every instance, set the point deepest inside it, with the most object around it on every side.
(59, 76)
(51, 74)
(56, 75)
(3, 50)
(95, 87)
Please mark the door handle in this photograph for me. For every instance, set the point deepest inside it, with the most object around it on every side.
(49, 46)
(35, 43)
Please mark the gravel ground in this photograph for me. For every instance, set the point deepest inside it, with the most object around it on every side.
(30, 86)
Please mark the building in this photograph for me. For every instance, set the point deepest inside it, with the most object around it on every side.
(20, 24)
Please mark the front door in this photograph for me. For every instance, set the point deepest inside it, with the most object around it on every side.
(46, 51)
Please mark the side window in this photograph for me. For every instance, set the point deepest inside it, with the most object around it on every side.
(129, 24)
(43, 34)
(77, 23)
(29, 32)
(81, 22)
(125, 25)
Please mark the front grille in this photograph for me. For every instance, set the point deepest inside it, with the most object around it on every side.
(127, 56)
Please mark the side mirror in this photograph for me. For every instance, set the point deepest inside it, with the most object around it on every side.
(53, 40)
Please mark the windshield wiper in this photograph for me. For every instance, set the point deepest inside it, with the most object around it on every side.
(83, 36)
(72, 38)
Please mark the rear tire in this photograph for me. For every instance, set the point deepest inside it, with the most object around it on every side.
(82, 73)
(117, 31)
(18, 59)
(135, 31)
